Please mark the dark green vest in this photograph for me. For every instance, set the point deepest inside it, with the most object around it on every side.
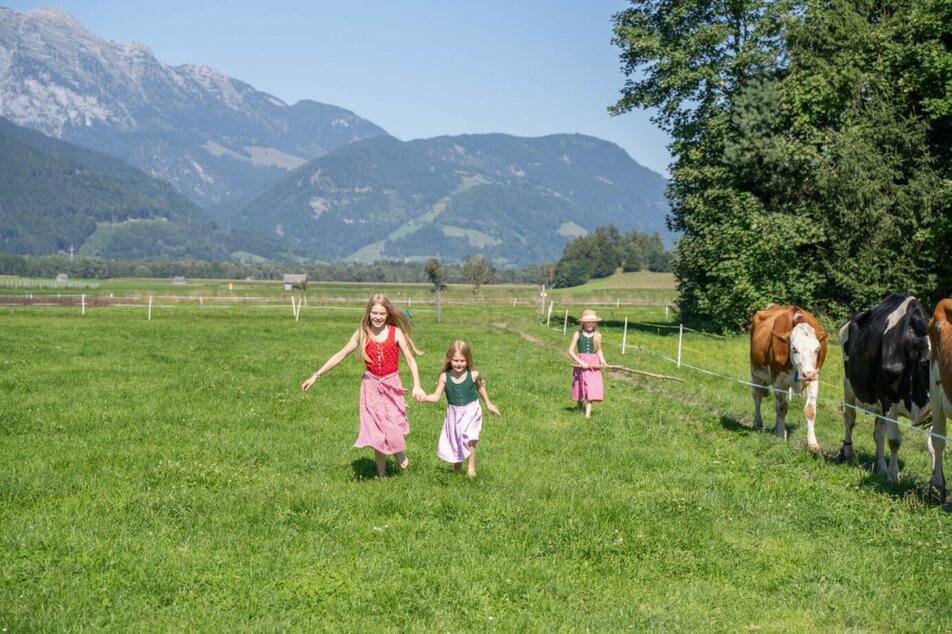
(462, 393)
(586, 344)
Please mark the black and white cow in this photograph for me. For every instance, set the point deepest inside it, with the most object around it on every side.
(886, 371)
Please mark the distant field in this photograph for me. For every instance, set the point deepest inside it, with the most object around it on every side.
(169, 475)
(643, 287)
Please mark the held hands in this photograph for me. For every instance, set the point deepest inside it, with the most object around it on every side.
(418, 394)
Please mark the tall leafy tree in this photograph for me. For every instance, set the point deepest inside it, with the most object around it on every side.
(687, 60)
(810, 165)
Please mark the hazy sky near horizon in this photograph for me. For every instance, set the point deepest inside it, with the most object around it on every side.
(417, 68)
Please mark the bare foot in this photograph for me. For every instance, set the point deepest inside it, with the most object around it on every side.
(405, 463)
(471, 474)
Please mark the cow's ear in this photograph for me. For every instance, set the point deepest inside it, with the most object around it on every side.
(786, 340)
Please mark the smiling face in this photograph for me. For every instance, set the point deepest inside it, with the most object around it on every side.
(458, 358)
(378, 316)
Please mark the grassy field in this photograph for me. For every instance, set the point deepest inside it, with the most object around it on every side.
(168, 474)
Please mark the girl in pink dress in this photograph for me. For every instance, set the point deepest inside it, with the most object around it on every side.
(586, 351)
(464, 417)
(383, 334)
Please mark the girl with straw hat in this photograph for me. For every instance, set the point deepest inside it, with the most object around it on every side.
(586, 351)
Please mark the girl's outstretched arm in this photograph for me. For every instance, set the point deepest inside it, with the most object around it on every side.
(438, 393)
(481, 388)
(349, 347)
(401, 340)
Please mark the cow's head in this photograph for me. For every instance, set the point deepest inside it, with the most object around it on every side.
(804, 351)
(915, 380)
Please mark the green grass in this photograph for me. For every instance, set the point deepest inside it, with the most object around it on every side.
(170, 475)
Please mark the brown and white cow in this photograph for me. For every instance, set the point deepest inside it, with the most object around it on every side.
(940, 379)
(787, 350)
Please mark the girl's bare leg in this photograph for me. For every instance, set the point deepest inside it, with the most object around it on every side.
(471, 460)
(588, 409)
(402, 460)
(458, 466)
(381, 460)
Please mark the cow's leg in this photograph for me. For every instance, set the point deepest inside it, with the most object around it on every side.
(759, 394)
(781, 408)
(849, 421)
(809, 411)
(936, 444)
(879, 435)
(895, 441)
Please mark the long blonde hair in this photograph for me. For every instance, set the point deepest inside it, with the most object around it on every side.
(394, 318)
(461, 347)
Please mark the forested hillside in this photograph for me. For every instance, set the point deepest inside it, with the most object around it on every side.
(57, 196)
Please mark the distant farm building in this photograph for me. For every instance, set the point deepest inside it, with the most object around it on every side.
(62, 277)
(292, 280)
(179, 279)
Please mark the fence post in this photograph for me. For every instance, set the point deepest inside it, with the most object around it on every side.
(549, 316)
(666, 313)
(624, 336)
(680, 337)
(150, 309)
(565, 323)
(84, 303)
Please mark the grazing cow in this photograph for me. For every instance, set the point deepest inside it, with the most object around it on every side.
(940, 379)
(886, 372)
(787, 349)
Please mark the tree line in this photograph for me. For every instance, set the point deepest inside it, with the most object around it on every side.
(605, 250)
(811, 148)
(473, 270)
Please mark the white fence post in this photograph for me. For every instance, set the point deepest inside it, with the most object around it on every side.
(680, 337)
(624, 336)
(549, 316)
(666, 313)
(150, 309)
(565, 323)
(84, 303)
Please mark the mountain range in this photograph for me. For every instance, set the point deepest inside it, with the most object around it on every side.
(215, 138)
(261, 176)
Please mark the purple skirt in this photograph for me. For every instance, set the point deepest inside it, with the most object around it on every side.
(461, 427)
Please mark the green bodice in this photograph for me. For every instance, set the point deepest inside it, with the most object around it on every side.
(461, 393)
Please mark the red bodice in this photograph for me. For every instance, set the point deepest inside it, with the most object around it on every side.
(384, 357)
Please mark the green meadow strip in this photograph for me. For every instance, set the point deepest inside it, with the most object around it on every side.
(169, 474)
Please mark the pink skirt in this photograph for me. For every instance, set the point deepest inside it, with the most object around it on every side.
(383, 414)
(587, 385)
(461, 427)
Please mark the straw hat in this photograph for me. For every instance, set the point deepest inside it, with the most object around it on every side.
(589, 315)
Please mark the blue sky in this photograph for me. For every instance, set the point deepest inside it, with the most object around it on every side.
(417, 68)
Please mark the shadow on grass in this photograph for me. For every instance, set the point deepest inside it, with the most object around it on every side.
(365, 469)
